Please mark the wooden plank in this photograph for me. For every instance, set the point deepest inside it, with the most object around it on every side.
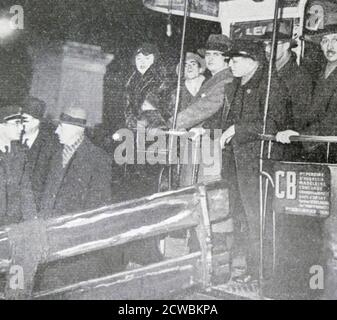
(179, 221)
(75, 234)
(151, 282)
(76, 230)
(121, 223)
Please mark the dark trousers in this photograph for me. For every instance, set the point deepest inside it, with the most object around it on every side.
(244, 205)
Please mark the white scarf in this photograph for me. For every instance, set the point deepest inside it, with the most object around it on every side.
(193, 85)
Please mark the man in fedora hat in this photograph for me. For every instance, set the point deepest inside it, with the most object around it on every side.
(296, 79)
(80, 172)
(241, 128)
(204, 111)
(323, 122)
(79, 180)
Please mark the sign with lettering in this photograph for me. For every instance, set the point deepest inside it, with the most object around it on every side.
(242, 30)
(302, 189)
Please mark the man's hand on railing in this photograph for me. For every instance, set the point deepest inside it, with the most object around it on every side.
(227, 136)
(284, 136)
(195, 133)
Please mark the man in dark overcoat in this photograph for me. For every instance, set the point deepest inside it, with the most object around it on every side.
(323, 122)
(242, 126)
(296, 79)
(17, 201)
(39, 142)
(79, 180)
(293, 231)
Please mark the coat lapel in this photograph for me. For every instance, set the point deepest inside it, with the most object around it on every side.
(78, 169)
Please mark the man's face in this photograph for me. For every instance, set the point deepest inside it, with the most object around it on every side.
(31, 124)
(329, 47)
(282, 49)
(192, 69)
(144, 62)
(68, 133)
(241, 66)
(215, 61)
(13, 129)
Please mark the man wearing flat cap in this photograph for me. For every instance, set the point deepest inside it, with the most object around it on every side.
(79, 180)
(242, 125)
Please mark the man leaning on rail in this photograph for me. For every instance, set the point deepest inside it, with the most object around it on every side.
(321, 120)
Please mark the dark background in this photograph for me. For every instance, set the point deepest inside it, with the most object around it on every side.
(118, 26)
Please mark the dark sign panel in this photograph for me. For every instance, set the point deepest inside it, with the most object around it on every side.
(242, 30)
(302, 189)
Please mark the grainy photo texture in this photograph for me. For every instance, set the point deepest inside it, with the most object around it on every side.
(168, 149)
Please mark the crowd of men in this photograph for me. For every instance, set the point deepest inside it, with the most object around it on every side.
(48, 171)
(232, 98)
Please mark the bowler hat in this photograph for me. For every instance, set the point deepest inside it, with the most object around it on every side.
(249, 49)
(316, 36)
(216, 42)
(75, 116)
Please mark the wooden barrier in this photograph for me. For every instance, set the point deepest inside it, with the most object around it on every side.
(71, 235)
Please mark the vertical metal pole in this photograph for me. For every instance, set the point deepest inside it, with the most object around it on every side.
(327, 152)
(266, 107)
(174, 124)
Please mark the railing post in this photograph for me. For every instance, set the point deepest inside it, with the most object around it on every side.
(205, 237)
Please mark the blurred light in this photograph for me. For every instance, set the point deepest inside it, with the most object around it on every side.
(6, 28)
(169, 26)
(169, 30)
